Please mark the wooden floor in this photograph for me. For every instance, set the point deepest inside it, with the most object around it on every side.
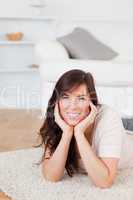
(19, 128)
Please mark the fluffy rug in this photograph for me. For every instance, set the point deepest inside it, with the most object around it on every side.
(21, 178)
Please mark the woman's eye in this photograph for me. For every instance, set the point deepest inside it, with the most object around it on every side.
(82, 98)
(65, 97)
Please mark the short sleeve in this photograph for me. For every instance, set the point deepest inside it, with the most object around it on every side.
(111, 133)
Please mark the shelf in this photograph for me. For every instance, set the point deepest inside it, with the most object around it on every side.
(37, 5)
(5, 42)
(18, 69)
(43, 18)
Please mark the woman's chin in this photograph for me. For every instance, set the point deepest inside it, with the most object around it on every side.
(72, 122)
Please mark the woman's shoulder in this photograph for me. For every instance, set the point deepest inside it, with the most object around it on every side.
(104, 109)
(107, 113)
(108, 121)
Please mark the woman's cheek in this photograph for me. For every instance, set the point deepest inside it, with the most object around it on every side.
(86, 110)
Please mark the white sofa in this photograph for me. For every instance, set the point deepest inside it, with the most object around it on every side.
(113, 78)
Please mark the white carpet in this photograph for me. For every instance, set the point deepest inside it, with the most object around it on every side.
(21, 178)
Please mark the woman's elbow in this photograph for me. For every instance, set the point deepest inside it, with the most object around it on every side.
(50, 178)
(105, 185)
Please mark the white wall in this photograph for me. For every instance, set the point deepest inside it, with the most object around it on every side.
(93, 9)
(13, 7)
(90, 9)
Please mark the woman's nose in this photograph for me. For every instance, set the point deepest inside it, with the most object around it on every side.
(73, 103)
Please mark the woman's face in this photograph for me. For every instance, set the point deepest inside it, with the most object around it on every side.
(74, 106)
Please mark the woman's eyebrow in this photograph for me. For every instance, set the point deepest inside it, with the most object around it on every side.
(82, 95)
(78, 95)
(64, 93)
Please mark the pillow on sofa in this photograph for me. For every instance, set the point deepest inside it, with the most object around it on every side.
(128, 123)
(49, 50)
(83, 45)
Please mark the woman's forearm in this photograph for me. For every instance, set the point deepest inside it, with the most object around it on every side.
(95, 168)
(53, 168)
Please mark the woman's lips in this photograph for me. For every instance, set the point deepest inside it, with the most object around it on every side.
(72, 115)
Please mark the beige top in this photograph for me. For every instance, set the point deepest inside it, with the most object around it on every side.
(108, 134)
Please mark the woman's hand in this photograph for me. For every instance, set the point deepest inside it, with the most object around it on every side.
(62, 124)
(85, 123)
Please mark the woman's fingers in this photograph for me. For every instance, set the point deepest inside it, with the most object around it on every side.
(90, 118)
(94, 110)
(56, 110)
(93, 107)
(56, 113)
(58, 118)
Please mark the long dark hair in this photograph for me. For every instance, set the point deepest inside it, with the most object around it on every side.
(50, 132)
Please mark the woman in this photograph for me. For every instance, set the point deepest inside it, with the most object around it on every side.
(79, 134)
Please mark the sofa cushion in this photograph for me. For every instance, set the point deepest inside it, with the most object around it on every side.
(83, 45)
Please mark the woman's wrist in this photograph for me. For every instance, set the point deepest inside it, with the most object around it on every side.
(78, 134)
(67, 134)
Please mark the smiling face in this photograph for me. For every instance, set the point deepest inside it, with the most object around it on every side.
(74, 106)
